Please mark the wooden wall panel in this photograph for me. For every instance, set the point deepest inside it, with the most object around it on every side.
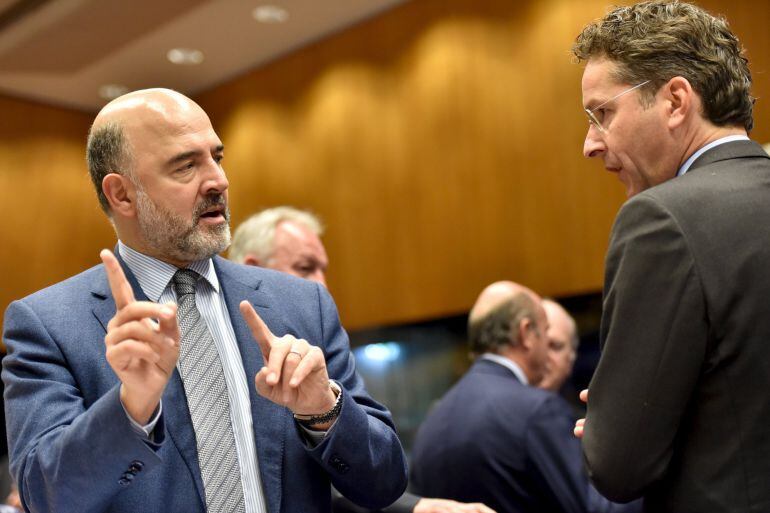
(52, 225)
(440, 142)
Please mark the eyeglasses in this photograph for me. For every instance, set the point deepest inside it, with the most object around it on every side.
(595, 121)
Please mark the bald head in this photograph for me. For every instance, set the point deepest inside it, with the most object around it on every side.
(156, 164)
(495, 295)
(113, 136)
(562, 345)
(497, 313)
(508, 320)
(561, 321)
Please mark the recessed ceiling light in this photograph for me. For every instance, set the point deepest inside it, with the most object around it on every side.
(112, 91)
(270, 14)
(185, 56)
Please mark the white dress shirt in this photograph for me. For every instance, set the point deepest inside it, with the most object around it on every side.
(507, 363)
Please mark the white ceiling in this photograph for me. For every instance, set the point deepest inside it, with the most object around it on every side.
(62, 51)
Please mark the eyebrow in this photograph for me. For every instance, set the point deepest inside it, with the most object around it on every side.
(181, 157)
(595, 103)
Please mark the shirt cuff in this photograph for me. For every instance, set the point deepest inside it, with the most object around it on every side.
(313, 437)
(145, 431)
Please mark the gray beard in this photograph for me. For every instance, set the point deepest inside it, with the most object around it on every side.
(171, 236)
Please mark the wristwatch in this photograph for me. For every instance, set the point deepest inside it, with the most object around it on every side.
(322, 418)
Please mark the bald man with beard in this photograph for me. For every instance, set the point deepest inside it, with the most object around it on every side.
(170, 379)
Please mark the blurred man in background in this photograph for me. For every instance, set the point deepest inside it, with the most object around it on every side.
(562, 346)
(496, 437)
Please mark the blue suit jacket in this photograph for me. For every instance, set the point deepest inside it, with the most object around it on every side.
(72, 447)
(494, 440)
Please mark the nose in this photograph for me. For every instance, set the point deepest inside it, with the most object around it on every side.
(216, 179)
(594, 144)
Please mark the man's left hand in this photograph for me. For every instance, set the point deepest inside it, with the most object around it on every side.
(294, 374)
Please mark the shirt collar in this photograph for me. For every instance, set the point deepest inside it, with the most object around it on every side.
(154, 275)
(687, 163)
(507, 363)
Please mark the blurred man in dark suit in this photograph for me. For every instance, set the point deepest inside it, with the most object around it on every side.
(497, 438)
(562, 346)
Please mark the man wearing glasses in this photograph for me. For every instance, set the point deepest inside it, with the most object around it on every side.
(678, 411)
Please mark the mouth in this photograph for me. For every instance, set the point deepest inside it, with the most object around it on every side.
(215, 214)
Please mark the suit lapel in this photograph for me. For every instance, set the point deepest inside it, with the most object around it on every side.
(177, 422)
(269, 419)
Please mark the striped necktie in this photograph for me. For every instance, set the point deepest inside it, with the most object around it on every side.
(208, 402)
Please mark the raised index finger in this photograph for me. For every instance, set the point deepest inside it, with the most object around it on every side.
(259, 329)
(121, 289)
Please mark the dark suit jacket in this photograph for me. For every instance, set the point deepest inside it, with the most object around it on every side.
(71, 443)
(404, 504)
(494, 440)
(679, 409)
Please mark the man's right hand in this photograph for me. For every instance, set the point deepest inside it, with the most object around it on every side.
(142, 344)
(448, 506)
(580, 424)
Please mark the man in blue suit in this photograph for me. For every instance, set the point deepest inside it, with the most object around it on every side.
(104, 415)
(495, 439)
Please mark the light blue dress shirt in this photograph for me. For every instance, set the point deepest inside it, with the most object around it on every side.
(687, 163)
(154, 277)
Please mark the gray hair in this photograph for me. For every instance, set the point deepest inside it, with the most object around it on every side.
(256, 235)
(107, 152)
(499, 327)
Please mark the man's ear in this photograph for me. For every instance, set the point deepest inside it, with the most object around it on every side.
(250, 259)
(525, 333)
(681, 101)
(120, 194)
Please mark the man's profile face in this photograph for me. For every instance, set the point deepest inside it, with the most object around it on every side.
(561, 353)
(635, 142)
(181, 194)
(299, 251)
(539, 361)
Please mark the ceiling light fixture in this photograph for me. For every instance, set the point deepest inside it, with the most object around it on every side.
(185, 56)
(270, 14)
(112, 91)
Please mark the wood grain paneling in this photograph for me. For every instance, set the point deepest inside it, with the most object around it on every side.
(52, 227)
(441, 143)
